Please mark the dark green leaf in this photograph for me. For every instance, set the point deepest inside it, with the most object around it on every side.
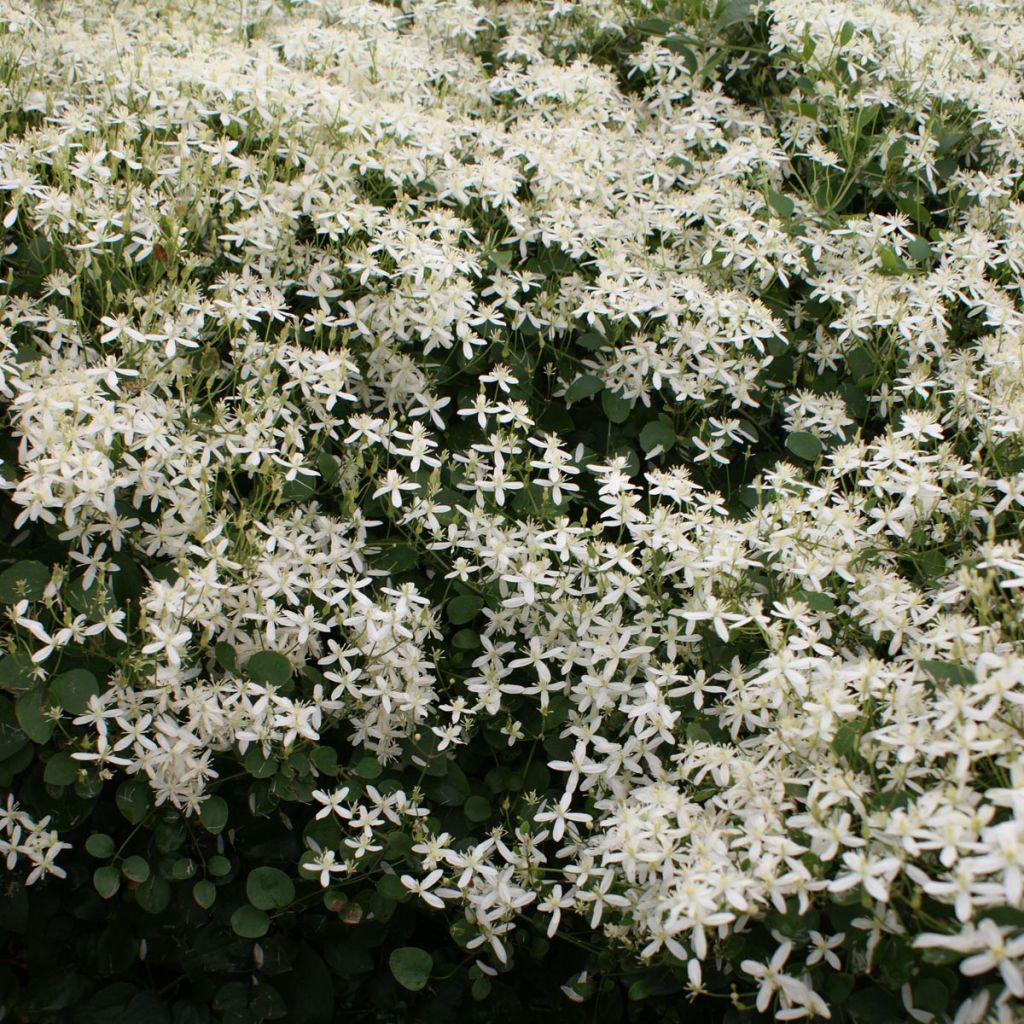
(106, 881)
(781, 204)
(135, 868)
(369, 768)
(390, 887)
(61, 770)
(204, 893)
(891, 261)
(592, 341)
(29, 710)
(678, 45)
(226, 657)
(477, 808)
(325, 759)
(919, 249)
(583, 387)
(931, 995)
(466, 640)
(948, 672)
(396, 557)
(269, 888)
(153, 895)
(411, 967)
(615, 407)
(860, 363)
(100, 846)
(732, 12)
(931, 563)
(73, 689)
(93, 602)
(657, 437)
(269, 667)
(12, 739)
(23, 581)
(17, 672)
(258, 766)
(653, 26)
(804, 445)
(133, 800)
(327, 464)
(218, 866)
(213, 813)
(183, 869)
(464, 609)
(250, 922)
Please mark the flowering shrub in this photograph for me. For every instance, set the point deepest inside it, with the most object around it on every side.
(512, 508)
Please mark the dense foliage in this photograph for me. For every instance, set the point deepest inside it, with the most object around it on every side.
(512, 510)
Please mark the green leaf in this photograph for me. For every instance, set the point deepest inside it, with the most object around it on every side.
(17, 673)
(390, 887)
(678, 45)
(846, 32)
(61, 770)
(411, 967)
(250, 922)
(946, 672)
(29, 710)
(816, 600)
(477, 808)
(369, 768)
(891, 261)
(213, 813)
(325, 759)
(218, 866)
(269, 888)
(258, 766)
(931, 563)
(838, 986)
(106, 880)
(919, 249)
(183, 869)
(466, 640)
(931, 995)
(302, 488)
(23, 581)
(860, 363)
(804, 445)
(327, 464)
(732, 12)
(153, 895)
(781, 204)
(464, 609)
(396, 557)
(12, 739)
(100, 846)
(135, 868)
(844, 743)
(226, 656)
(592, 341)
(133, 800)
(93, 602)
(204, 893)
(73, 690)
(657, 437)
(269, 667)
(583, 387)
(615, 407)
(653, 26)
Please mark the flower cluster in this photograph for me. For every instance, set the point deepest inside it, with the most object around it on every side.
(604, 422)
